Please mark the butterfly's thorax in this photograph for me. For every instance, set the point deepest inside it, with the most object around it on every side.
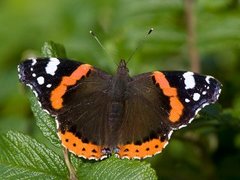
(120, 81)
(118, 97)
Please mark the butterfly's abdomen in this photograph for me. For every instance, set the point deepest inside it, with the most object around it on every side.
(116, 111)
(116, 107)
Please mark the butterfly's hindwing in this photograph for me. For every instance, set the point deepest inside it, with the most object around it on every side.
(86, 109)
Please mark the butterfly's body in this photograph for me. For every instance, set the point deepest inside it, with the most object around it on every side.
(118, 95)
(99, 114)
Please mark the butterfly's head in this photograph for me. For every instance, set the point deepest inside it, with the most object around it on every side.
(122, 67)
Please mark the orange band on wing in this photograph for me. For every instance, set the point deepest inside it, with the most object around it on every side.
(147, 149)
(176, 105)
(60, 90)
(81, 149)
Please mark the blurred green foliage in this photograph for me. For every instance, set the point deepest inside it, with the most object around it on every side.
(207, 148)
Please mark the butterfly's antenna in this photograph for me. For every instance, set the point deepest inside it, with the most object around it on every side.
(96, 38)
(140, 44)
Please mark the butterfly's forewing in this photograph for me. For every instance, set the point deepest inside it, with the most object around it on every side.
(44, 75)
(194, 91)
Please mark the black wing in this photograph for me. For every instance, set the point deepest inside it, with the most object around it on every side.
(158, 103)
(75, 93)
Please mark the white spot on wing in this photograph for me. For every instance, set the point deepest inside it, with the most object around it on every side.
(46, 111)
(19, 75)
(57, 125)
(189, 80)
(159, 151)
(204, 92)
(34, 61)
(187, 100)
(40, 80)
(191, 120)
(92, 158)
(136, 157)
(164, 145)
(29, 85)
(52, 66)
(169, 134)
(147, 156)
(78, 155)
(116, 155)
(208, 79)
(125, 157)
(182, 126)
(196, 96)
(205, 104)
(48, 85)
(33, 75)
(219, 92)
(35, 93)
(103, 157)
(39, 103)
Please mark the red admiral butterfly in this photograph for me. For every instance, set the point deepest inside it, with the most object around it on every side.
(98, 114)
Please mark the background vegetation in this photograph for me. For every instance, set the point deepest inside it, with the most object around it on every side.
(210, 146)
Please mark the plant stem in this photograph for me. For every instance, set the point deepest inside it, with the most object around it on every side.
(72, 172)
(191, 35)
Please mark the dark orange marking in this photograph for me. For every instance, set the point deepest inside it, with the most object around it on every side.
(144, 150)
(60, 90)
(81, 149)
(176, 105)
(175, 113)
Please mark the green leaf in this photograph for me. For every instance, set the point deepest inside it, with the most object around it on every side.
(22, 157)
(52, 49)
(114, 168)
(45, 122)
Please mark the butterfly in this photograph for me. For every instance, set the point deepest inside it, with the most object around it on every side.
(99, 114)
